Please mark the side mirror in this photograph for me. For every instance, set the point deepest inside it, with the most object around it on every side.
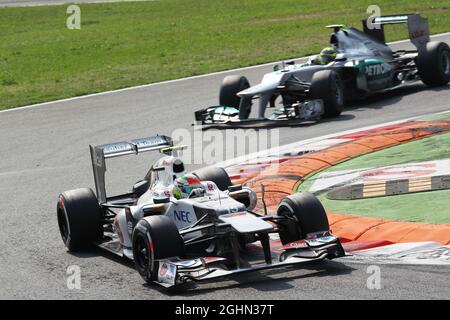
(160, 200)
(140, 188)
(340, 57)
(235, 187)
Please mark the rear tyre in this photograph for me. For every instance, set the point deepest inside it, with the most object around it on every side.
(79, 218)
(308, 215)
(155, 237)
(231, 85)
(215, 174)
(328, 86)
(433, 64)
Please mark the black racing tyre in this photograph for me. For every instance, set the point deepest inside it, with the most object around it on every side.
(79, 218)
(231, 85)
(433, 64)
(308, 212)
(215, 174)
(327, 85)
(155, 237)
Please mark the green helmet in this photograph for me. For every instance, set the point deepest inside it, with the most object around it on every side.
(184, 185)
(327, 55)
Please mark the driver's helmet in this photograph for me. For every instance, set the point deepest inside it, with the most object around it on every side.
(326, 56)
(184, 185)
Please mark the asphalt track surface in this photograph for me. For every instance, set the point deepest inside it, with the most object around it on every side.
(44, 150)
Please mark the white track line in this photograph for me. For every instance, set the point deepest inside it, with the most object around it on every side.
(173, 81)
(42, 4)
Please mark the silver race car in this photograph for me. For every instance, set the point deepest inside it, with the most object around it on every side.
(179, 226)
(355, 65)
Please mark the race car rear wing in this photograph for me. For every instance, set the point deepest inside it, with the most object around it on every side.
(102, 152)
(418, 30)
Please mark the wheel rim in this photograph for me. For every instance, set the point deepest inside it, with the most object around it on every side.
(289, 227)
(445, 62)
(142, 253)
(63, 225)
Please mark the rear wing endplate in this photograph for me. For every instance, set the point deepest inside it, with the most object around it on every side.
(418, 30)
(102, 152)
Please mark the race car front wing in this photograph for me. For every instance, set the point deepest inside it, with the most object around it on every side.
(222, 116)
(175, 271)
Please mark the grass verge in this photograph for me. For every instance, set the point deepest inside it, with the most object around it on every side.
(125, 44)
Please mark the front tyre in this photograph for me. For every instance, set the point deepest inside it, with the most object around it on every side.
(305, 215)
(433, 64)
(154, 238)
(79, 218)
(228, 97)
(328, 86)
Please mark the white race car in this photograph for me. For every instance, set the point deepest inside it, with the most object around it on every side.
(177, 226)
(356, 65)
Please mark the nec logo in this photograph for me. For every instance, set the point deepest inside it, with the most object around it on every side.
(182, 215)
